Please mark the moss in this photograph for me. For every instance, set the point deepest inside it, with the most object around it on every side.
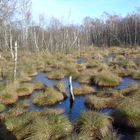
(107, 79)
(94, 124)
(49, 97)
(50, 127)
(2, 108)
(83, 90)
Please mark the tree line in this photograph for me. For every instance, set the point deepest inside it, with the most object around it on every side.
(16, 24)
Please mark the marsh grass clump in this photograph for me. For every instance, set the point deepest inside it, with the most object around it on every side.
(107, 79)
(71, 70)
(14, 112)
(137, 136)
(136, 74)
(19, 126)
(49, 97)
(78, 137)
(2, 108)
(57, 111)
(123, 62)
(96, 65)
(109, 93)
(2, 85)
(61, 87)
(8, 94)
(127, 116)
(24, 77)
(50, 127)
(83, 90)
(25, 89)
(23, 104)
(38, 86)
(84, 79)
(81, 67)
(111, 136)
(56, 74)
(99, 103)
(94, 124)
(9, 98)
(130, 89)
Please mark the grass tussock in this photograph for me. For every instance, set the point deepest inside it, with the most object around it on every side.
(49, 97)
(83, 90)
(107, 79)
(23, 104)
(109, 93)
(78, 137)
(136, 74)
(94, 124)
(50, 127)
(61, 87)
(56, 74)
(129, 117)
(111, 136)
(99, 103)
(84, 79)
(130, 89)
(38, 86)
(2, 108)
(81, 67)
(25, 89)
(8, 94)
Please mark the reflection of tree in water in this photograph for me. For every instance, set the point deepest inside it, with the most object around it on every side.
(4, 133)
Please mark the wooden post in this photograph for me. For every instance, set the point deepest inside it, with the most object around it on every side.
(71, 88)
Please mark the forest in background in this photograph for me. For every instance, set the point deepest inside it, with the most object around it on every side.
(16, 24)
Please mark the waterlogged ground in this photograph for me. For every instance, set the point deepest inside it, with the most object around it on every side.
(74, 109)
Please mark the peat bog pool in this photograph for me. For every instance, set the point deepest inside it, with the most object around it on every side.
(73, 110)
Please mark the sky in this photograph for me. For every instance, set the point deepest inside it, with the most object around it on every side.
(74, 11)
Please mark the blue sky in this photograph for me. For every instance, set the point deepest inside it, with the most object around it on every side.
(73, 11)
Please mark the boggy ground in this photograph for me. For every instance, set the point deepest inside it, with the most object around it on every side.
(99, 72)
